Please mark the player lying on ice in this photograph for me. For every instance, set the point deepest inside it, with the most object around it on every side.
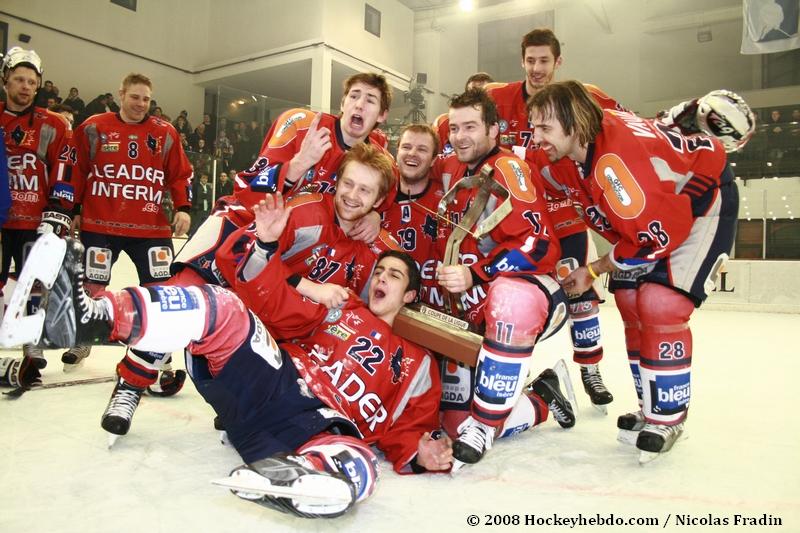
(302, 415)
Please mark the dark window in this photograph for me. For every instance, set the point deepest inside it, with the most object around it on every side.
(783, 239)
(127, 4)
(749, 236)
(372, 20)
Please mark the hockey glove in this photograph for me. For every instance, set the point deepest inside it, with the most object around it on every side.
(19, 372)
(54, 222)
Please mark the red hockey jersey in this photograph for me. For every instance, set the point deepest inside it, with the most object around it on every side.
(122, 173)
(350, 359)
(412, 221)
(647, 183)
(522, 243)
(283, 141)
(38, 155)
(313, 246)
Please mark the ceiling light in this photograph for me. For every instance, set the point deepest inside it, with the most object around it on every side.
(466, 5)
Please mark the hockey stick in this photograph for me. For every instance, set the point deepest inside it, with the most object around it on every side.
(19, 391)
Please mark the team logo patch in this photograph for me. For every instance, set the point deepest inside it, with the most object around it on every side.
(623, 194)
(172, 298)
(670, 393)
(23, 137)
(497, 380)
(517, 178)
(333, 315)
(340, 331)
(503, 126)
(63, 190)
(160, 259)
(98, 264)
(110, 147)
(153, 144)
(266, 180)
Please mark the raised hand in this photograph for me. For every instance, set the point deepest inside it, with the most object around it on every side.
(316, 142)
(271, 217)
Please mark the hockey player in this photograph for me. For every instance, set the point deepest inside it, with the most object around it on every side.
(411, 219)
(303, 149)
(315, 248)
(126, 161)
(541, 58)
(508, 273)
(441, 123)
(673, 204)
(36, 155)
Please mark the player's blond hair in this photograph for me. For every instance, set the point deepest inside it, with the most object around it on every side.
(135, 78)
(422, 128)
(572, 106)
(373, 80)
(373, 157)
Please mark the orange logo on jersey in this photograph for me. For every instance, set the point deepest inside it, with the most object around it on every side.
(625, 197)
(517, 178)
(288, 124)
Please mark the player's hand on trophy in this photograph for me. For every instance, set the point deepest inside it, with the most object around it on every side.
(578, 282)
(454, 278)
(435, 454)
(366, 228)
(271, 217)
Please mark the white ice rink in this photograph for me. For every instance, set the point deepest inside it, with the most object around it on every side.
(742, 454)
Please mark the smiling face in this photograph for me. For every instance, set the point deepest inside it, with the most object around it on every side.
(134, 102)
(540, 66)
(357, 192)
(550, 136)
(469, 136)
(388, 288)
(415, 154)
(361, 112)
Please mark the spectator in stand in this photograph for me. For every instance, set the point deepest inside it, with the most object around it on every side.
(224, 185)
(223, 149)
(95, 107)
(185, 143)
(111, 105)
(775, 134)
(210, 130)
(182, 125)
(242, 157)
(65, 111)
(44, 93)
(57, 98)
(196, 136)
(74, 101)
(158, 112)
(774, 125)
(202, 203)
(51, 102)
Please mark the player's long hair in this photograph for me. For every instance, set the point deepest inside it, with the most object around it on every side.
(572, 106)
(479, 99)
(373, 157)
(373, 80)
(423, 128)
(414, 277)
(135, 78)
(541, 37)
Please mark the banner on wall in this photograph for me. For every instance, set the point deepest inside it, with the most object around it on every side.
(770, 26)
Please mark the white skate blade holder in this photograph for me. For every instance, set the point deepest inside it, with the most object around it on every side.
(305, 490)
(42, 264)
(560, 368)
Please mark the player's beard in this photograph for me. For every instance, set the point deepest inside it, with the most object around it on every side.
(21, 100)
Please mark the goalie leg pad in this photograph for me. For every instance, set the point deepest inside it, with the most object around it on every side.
(584, 325)
(626, 304)
(666, 353)
(345, 455)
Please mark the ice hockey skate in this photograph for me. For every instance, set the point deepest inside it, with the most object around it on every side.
(657, 439)
(74, 358)
(43, 265)
(474, 440)
(546, 385)
(119, 411)
(286, 484)
(629, 425)
(595, 388)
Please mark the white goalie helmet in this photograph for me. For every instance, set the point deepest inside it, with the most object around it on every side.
(17, 56)
(726, 116)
